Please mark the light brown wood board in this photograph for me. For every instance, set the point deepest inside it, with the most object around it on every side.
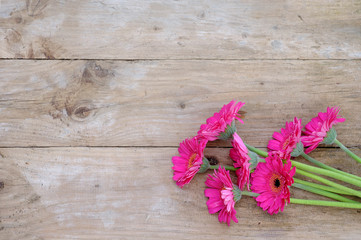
(95, 97)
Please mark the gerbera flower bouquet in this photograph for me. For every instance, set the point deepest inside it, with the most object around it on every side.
(268, 177)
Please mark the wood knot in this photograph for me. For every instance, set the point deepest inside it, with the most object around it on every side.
(2, 185)
(94, 73)
(86, 76)
(182, 105)
(156, 28)
(100, 71)
(80, 112)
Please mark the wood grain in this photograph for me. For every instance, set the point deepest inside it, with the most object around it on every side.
(128, 193)
(159, 103)
(95, 97)
(159, 29)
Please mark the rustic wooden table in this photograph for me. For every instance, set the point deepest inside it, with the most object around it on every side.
(95, 97)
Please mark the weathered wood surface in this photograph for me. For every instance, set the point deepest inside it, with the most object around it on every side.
(73, 89)
(127, 193)
(156, 29)
(159, 103)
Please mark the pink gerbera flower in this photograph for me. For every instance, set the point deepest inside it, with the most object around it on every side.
(222, 195)
(218, 123)
(190, 160)
(317, 128)
(286, 141)
(271, 180)
(239, 154)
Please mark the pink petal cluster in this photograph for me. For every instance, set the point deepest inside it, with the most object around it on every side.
(190, 160)
(239, 154)
(271, 180)
(285, 142)
(220, 194)
(217, 124)
(317, 128)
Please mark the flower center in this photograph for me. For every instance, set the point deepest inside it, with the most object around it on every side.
(191, 160)
(276, 183)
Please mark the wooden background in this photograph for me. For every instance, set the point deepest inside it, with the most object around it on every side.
(95, 97)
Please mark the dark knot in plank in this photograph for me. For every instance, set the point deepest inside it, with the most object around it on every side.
(80, 112)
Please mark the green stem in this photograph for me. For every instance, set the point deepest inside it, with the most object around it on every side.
(326, 173)
(322, 165)
(325, 203)
(323, 193)
(314, 202)
(231, 168)
(251, 194)
(328, 182)
(318, 163)
(320, 186)
(313, 176)
(256, 150)
(348, 151)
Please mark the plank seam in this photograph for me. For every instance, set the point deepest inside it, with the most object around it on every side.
(85, 146)
(181, 59)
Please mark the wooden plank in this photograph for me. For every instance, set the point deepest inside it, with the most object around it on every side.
(159, 29)
(159, 103)
(128, 193)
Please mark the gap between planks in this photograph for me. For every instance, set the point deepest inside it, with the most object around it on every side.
(95, 146)
(182, 59)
